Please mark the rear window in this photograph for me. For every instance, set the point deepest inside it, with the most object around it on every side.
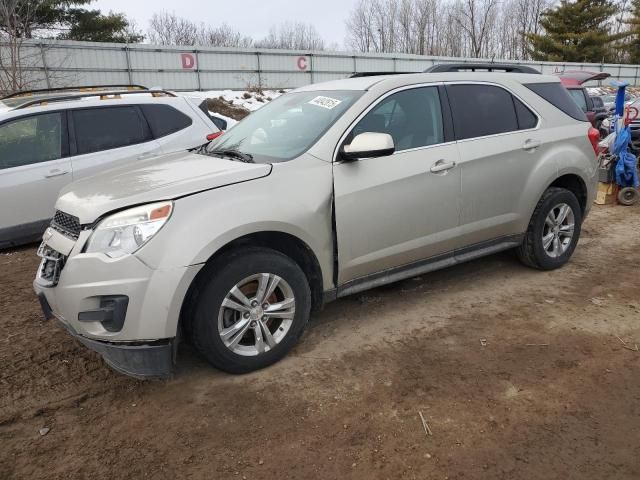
(98, 129)
(165, 120)
(559, 97)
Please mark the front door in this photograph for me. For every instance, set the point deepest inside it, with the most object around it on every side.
(34, 166)
(398, 209)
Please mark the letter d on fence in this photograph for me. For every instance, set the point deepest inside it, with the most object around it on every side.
(188, 61)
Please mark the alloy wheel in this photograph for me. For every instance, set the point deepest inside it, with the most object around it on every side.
(558, 230)
(256, 314)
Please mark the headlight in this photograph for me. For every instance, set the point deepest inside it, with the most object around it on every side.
(125, 232)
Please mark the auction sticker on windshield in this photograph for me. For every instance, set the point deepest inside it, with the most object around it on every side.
(325, 102)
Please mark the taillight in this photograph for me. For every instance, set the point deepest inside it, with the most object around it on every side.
(594, 138)
(213, 136)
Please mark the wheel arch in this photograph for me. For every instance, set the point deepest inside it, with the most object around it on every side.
(576, 185)
(285, 243)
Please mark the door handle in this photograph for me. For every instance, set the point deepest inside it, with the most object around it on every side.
(56, 173)
(531, 144)
(442, 166)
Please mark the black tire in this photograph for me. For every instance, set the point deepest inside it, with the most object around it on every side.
(214, 286)
(531, 252)
(628, 196)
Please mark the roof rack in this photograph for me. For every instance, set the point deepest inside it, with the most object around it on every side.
(489, 67)
(87, 88)
(376, 74)
(101, 94)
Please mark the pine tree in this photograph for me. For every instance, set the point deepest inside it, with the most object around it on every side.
(633, 48)
(575, 31)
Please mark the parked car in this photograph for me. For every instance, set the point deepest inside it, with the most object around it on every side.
(325, 192)
(574, 81)
(49, 138)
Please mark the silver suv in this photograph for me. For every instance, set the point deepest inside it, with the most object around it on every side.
(329, 190)
(48, 138)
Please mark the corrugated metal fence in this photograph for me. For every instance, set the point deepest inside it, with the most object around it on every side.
(64, 63)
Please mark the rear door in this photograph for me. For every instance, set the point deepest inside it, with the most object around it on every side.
(106, 137)
(34, 166)
(500, 145)
(396, 210)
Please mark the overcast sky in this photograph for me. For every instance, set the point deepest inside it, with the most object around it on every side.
(251, 17)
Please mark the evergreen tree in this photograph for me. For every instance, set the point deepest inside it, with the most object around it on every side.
(633, 48)
(575, 31)
(93, 26)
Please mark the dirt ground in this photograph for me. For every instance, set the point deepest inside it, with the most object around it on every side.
(519, 374)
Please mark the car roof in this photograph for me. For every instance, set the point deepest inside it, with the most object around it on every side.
(12, 106)
(391, 80)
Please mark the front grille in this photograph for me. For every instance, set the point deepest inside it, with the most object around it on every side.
(50, 267)
(66, 224)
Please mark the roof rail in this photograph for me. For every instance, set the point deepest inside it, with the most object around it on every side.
(87, 88)
(101, 94)
(487, 66)
(376, 74)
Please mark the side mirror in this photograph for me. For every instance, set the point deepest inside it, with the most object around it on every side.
(369, 145)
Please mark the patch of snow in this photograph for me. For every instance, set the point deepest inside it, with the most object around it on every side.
(230, 121)
(251, 101)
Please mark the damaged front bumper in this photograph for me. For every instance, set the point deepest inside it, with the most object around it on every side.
(138, 360)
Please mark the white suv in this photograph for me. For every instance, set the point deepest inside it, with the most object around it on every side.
(48, 138)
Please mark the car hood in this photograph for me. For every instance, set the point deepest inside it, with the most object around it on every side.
(160, 178)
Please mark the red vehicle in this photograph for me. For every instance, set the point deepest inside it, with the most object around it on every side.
(573, 81)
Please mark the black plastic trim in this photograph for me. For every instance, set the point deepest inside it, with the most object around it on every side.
(431, 264)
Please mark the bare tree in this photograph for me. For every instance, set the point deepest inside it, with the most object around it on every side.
(292, 36)
(168, 29)
(17, 60)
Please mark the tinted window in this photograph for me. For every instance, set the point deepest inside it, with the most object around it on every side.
(165, 120)
(597, 102)
(31, 140)
(412, 117)
(100, 129)
(579, 98)
(526, 118)
(557, 95)
(480, 110)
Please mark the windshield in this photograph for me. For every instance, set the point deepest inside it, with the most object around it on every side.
(286, 127)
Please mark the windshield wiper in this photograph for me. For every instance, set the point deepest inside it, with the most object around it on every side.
(237, 154)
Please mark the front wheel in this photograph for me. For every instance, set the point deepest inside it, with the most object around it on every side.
(252, 306)
(553, 231)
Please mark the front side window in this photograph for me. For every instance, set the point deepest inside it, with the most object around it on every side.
(287, 127)
(34, 139)
(98, 129)
(412, 117)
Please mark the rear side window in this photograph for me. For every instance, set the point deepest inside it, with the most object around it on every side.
(34, 139)
(98, 129)
(480, 110)
(165, 120)
(559, 97)
(578, 95)
(526, 118)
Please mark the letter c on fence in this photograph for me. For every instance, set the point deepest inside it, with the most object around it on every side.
(188, 61)
(302, 63)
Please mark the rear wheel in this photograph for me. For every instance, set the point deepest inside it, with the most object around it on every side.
(251, 309)
(553, 231)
